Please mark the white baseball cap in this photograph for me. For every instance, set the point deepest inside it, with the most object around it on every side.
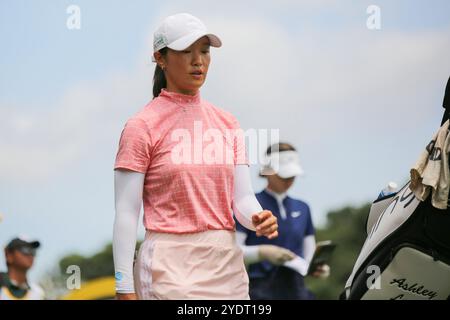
(285, 164)
(179, 31)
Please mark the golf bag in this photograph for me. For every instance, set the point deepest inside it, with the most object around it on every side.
(406, 254)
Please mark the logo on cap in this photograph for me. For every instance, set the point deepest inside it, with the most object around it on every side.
(160, 42)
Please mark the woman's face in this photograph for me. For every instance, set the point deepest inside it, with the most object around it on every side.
(278, 184)
(186, 70)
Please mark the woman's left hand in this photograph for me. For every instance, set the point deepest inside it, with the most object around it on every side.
(266, 224)
(322, 271)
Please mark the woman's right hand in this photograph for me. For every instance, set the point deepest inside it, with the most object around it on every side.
(126, 296)
(266, 224)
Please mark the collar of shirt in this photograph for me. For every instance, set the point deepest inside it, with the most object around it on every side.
(279, 197)
(181, 99)
(15, 284)
(22, 286)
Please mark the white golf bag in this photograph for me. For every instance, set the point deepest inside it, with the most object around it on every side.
(407, 251)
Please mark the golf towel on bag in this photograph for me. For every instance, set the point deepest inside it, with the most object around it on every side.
(431, 172)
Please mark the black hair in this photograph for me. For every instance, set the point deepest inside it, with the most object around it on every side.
(279, 147)
(159, 78)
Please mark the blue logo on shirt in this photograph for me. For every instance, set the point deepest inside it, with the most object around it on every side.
(119, 276)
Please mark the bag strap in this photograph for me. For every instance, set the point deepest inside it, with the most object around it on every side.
(446, 103)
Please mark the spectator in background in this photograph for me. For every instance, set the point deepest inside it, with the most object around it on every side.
(19, 257)
(277, 266)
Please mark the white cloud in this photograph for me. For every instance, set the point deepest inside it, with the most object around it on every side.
(38, 145)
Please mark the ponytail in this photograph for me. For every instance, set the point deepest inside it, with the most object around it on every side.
(159, 78)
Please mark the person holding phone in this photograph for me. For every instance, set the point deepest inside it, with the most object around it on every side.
(277, 267)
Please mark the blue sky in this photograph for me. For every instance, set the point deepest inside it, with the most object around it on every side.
(359, 104)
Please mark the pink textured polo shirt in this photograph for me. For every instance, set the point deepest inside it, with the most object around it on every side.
(187, 149)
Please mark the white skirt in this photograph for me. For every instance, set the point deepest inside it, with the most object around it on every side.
(204, 265)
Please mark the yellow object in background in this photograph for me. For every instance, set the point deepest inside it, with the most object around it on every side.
(97, 289)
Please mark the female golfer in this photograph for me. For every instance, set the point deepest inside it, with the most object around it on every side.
(185, 160)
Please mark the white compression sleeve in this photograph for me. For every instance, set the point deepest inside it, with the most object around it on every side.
(300, 264)
(251, 253)
(245, 203)
(309, 246)
(128, 187)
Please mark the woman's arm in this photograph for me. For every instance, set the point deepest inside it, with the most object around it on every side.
(245, 204)
(309, 246)
(128, 186)
(246, 207)
(251, 253)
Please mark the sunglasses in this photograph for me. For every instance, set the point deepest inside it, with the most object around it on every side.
(28, 251)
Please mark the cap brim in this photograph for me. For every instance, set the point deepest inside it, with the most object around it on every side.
(289, 171)
(19, 243)
(34, 244)
(186, 41)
